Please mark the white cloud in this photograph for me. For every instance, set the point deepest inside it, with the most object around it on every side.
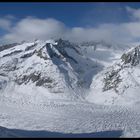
(135, 13)
(133, 28)
(5, 24)
(30, 28)
(123, 33)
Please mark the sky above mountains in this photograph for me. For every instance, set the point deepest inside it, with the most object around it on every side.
(116, 21)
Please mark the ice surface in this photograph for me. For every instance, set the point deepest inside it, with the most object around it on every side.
(72, 102)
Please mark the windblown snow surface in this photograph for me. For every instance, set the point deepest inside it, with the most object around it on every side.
(59, 89)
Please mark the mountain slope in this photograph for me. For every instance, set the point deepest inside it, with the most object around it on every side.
(59, 69)
(40, 80)
(119, 83)
(46, 69)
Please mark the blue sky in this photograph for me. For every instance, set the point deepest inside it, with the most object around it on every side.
(72, 15)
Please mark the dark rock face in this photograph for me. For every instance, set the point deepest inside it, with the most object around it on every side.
(35, 78)
(31, 47)
(3, 84)
(66, 44)
(26, 78)
(51, 52)
(132, 57)
(9, 65)
(8, 46)
(12, 53)
(112, 80)
(60, 47)
(40, 53)
(27, 55)
(112, 77)
(41, 82)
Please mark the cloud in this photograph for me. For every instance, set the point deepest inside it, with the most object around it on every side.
(135, 13)
(5, 24)
(30, 28)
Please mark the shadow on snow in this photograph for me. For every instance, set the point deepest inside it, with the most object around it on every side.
(43, 133)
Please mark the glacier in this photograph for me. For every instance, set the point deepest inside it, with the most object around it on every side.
(89, 89)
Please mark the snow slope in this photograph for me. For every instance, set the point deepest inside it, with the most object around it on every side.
(68, 117)
(103, 52)
(119, 83)
(54, 69)
(50, 87)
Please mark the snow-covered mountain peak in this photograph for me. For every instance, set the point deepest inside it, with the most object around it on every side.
(48, 67)
(132, 56)
(68, 69)
(120, 82)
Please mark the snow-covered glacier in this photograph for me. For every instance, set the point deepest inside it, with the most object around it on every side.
(59, 88)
